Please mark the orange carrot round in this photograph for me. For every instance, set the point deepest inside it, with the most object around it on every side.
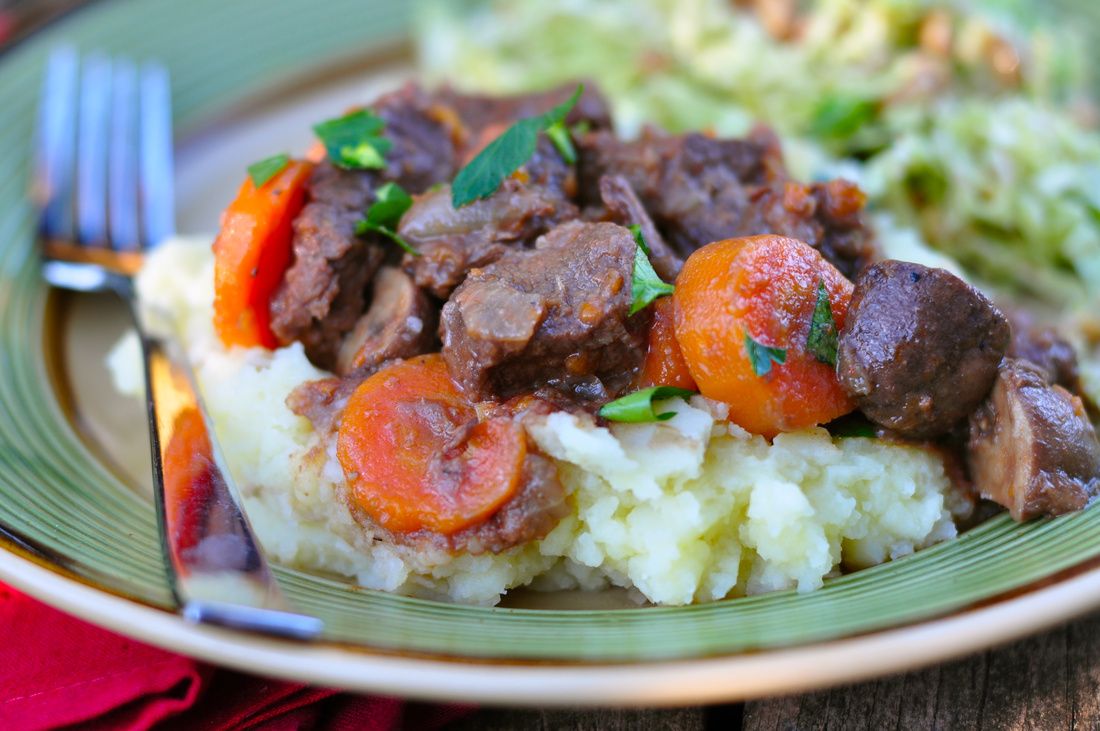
(416, 455)
(251, 255)
(743, 311)
(664, 363)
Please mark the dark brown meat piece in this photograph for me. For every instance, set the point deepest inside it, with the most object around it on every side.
(827, 216)
(1032, 448)
(696, 187)
(451, 242)
(1042, 346)
(919, 348)
(700, 189)
(624, 208)
(400, 323)
(346, 190)
(480, 112)
(556, 316)
(322, 293)
(418, 125)
(432, 134)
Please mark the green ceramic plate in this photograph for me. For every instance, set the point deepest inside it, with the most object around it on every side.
(80, 533)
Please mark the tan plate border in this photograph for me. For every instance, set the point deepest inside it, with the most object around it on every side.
(708, 680)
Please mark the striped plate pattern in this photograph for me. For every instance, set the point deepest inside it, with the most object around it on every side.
(55, 495)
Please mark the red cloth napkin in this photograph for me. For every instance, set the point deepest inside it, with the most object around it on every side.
(57, 671)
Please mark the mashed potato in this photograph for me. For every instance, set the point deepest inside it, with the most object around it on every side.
(692, 509)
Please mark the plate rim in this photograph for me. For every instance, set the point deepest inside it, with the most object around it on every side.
(736, 677)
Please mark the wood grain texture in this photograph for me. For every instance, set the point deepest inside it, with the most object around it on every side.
(1051, 681)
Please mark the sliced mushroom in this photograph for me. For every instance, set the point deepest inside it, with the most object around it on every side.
(399, 324)
(1032, 448)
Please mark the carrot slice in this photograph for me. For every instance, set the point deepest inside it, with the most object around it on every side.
(763, 288)
(251, 255)
(416, 455)
(664, 363)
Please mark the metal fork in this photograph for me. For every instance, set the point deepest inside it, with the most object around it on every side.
(103, 183)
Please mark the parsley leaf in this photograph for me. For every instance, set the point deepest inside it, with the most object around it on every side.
(645, 285)
(355, 140)
(822, 338)
(266, 169)
(390, 203)
(503, 156)
(761, 356)
(559, 135)
(638, 406)
(639, 239)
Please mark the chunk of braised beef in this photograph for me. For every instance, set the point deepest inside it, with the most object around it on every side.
(478, 112)
(452, 241)
(1032, 447)
(695, 187)
(919, 348)
(699, 189)
(827, 216)
(346, 190)
(423, 151)
(1044, 347)
(323, 291)
(624, 208)
(555, 316)
(400, 323)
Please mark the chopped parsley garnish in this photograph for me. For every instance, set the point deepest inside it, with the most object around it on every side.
(645, 285)
(390, 203)
(355, 140)
(266, 169)
(638, 406)
(639, 239)
(559, 135)
(762, 356)
(504, 155)
(822, 338)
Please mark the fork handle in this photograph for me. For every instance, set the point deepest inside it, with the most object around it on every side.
(218, 572)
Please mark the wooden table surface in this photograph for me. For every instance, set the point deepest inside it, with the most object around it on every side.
(1051, 681)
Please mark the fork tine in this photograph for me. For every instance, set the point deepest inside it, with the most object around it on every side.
(56, 143)
(158, 215)
(91, 150)
(122, 159)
